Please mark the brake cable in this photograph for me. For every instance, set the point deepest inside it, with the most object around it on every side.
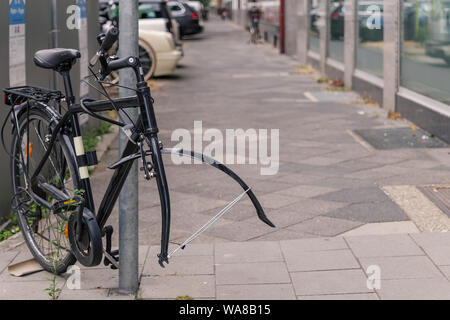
(208, 225)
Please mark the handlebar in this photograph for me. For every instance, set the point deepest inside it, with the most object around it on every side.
(106, 42)
(110, 38)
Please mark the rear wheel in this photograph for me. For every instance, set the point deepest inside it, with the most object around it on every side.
(44, 231)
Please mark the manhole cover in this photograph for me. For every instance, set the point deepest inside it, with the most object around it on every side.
(399, 138)
(439, 195)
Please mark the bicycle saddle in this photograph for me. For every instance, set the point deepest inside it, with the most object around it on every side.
(52, 58)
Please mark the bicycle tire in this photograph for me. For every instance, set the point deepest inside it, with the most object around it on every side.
(31, 229)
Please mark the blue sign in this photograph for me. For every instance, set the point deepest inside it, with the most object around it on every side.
(17, 12)
(82, 5)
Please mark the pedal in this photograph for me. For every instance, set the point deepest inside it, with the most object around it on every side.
(108, 230)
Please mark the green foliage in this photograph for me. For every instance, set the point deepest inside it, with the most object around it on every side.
(205, 3)
(93, 136)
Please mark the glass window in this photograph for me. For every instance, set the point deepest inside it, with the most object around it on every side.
(150, 11)
(425, 60)
(314, 36)
(336, 38)
(369, 51)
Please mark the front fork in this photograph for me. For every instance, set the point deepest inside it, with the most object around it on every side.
(151, 136)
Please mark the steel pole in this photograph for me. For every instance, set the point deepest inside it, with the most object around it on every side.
(128, 199)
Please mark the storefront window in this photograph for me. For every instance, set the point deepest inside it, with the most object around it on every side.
(336, 38)
(425, 61)
(370, 25)
(314, 36)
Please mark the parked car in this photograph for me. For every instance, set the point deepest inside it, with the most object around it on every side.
(157, 53)
(157, 49)
(337, 22)
(196, 5)
(153, 15)
(187, 18)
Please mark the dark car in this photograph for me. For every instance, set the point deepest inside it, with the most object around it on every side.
(148, 9)
(187, 18)
(337, 22)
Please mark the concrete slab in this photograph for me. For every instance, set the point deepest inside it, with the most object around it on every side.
(415, 289)
(252, 273)
(411, 267)
(181, 265)
(386, 246)
(329, 282)
(256, 292)
(248, 252)
(383, 228)
(197, 287)
(325, 226)
(292, 247)
(321, 260)
(350, 296)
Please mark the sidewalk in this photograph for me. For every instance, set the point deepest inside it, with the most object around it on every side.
(340, 204)
(413, 266)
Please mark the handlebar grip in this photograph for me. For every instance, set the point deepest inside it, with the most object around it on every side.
(121, 63)
(111, 37)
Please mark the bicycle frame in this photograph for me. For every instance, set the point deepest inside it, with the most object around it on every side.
(147, 132)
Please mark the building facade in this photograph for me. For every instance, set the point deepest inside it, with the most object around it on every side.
(395, 51)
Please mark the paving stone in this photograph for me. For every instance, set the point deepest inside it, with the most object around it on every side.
(247, 252)
(322, 160)
(99, 279)
(30, 290)
(283, 234)
(252, 273)
(325, 226)
(96, 294)
(412, 267)
(241, 211)
(436, 246)
(320, 260)
(197, 287)
(297, 178)
(198, 249)
(306, 191)
(401, 227)
(240, 231)
(415, 289)
(385, 211)
(342, 182)
(6, 258)
(356, 296)
(379, 173)
(356, 195)
(329, 282)
(256, 292)
(292, 247)
(181, 265)
(385, 246)
(446, 271)
(275, 201)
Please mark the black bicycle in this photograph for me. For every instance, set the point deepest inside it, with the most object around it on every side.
(49, 166)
